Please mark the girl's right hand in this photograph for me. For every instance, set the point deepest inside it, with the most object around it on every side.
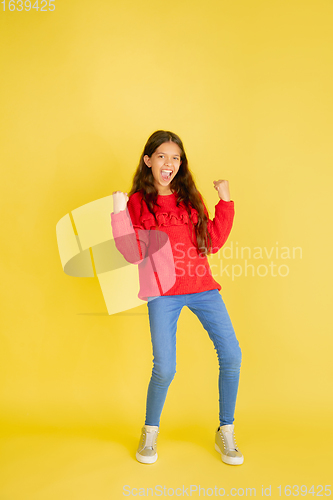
(119, 201)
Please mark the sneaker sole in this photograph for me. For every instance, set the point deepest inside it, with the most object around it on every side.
(145, 460)
(229, 460)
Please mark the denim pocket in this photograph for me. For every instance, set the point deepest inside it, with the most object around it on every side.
(152, 298)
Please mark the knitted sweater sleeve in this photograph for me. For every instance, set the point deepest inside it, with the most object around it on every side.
(131, 243)
(219, 228)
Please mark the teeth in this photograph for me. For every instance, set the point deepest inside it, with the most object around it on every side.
(168, 171)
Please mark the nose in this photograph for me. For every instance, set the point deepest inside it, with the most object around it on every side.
(168, 162)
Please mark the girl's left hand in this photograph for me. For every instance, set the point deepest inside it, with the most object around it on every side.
(222, 187)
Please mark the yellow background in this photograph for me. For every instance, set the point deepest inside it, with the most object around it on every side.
(248, 87)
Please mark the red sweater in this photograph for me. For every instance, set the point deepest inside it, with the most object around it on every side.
(169, 262)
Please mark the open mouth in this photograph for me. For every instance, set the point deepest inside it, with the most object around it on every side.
(166, 174)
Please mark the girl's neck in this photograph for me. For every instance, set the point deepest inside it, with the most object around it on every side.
(166, 192)
(163, 190)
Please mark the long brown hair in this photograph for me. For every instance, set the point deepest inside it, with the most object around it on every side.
(182, 184)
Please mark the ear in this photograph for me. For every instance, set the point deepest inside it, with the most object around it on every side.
(146, 159)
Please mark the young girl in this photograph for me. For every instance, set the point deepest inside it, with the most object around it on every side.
(164, 227)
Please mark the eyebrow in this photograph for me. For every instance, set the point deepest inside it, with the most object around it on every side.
(161, 153)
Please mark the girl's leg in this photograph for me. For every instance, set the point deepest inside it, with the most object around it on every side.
(164, 312)
(211, 311)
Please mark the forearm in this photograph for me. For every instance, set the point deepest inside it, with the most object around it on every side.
(127, 240)
(220, 227)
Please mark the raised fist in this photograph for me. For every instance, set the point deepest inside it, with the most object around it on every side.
(120, 200)
(222, 187)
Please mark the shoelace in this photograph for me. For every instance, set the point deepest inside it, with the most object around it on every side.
(150, 438)
(229, 440)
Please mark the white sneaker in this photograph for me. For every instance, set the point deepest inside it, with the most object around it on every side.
(225, 444)
(147, 449)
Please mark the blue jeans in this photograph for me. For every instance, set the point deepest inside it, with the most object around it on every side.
(209, 307)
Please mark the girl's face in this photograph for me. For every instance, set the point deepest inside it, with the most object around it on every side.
(164, 163)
